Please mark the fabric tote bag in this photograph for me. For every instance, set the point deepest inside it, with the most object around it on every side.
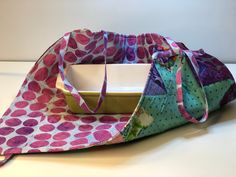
(181, 86)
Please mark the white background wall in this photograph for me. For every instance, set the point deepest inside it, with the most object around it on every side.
(28, 27)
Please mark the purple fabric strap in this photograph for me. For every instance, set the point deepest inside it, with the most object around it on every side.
(173, 51)
(74, 92)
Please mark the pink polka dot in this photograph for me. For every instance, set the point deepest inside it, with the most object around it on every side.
(108, 119)
(43, 136)
(37, 106)
(120, 126)
(104, 126)
(60, 102)
(24, 130)
(51, 81)
(13, 122)
(49, 59)
(141, 52)
(61, 136)
(58, 143)
(44, 98)
(2, 140)
(88, 119)
(85, 127)
(124, 119)
(102, 135)
(119, 55)
(19, 112)
(57, 110)
(57, 48)
(30, 122)
(41, 74)
(71, 118)
(38, 144)
(72, 43)
(13, 151)
(111, 51)
(21, 104)
(82, 39)
(148, 38)
(54, 118)
(79, 141)
(91, 46)
(66, 126)
(16, 141)
(111, 37)
(70, 57)
(35, 114)
(55, 69)
(80, 53)
(28, 95)
(82, 134)
(99, 49)
(47, 128)
(47, 91)
(34, 86)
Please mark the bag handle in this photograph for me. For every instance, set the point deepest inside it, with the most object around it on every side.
(74, 92)
(173, 51)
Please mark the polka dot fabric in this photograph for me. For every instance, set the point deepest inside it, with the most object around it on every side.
(39, 119)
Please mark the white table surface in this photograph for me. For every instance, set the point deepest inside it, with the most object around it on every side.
(207, 150)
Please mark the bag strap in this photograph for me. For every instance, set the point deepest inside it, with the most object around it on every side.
(74, 92)
(176, 50)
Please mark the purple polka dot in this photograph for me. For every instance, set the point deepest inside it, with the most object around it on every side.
(24, 130)
(79, 141)
(58, 143)
(89, 119)
(85, 127)
(38, 144)
(71, 118)
(28, 95)
(13, 122)
(108, 119)
(102, 135)
(104, 126)
(35, 114)
(21, 104)
(120, 126)
(37, 106)
(42, 136)
(30, 122)
(47, 128)
(66, 126)
(13, 151)
(16, 141)
(82, 134)
(34, 151)
(130, 54)
(54, 118)
(19, 112)
(6, 130)
(61, 136)
(2, 140)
